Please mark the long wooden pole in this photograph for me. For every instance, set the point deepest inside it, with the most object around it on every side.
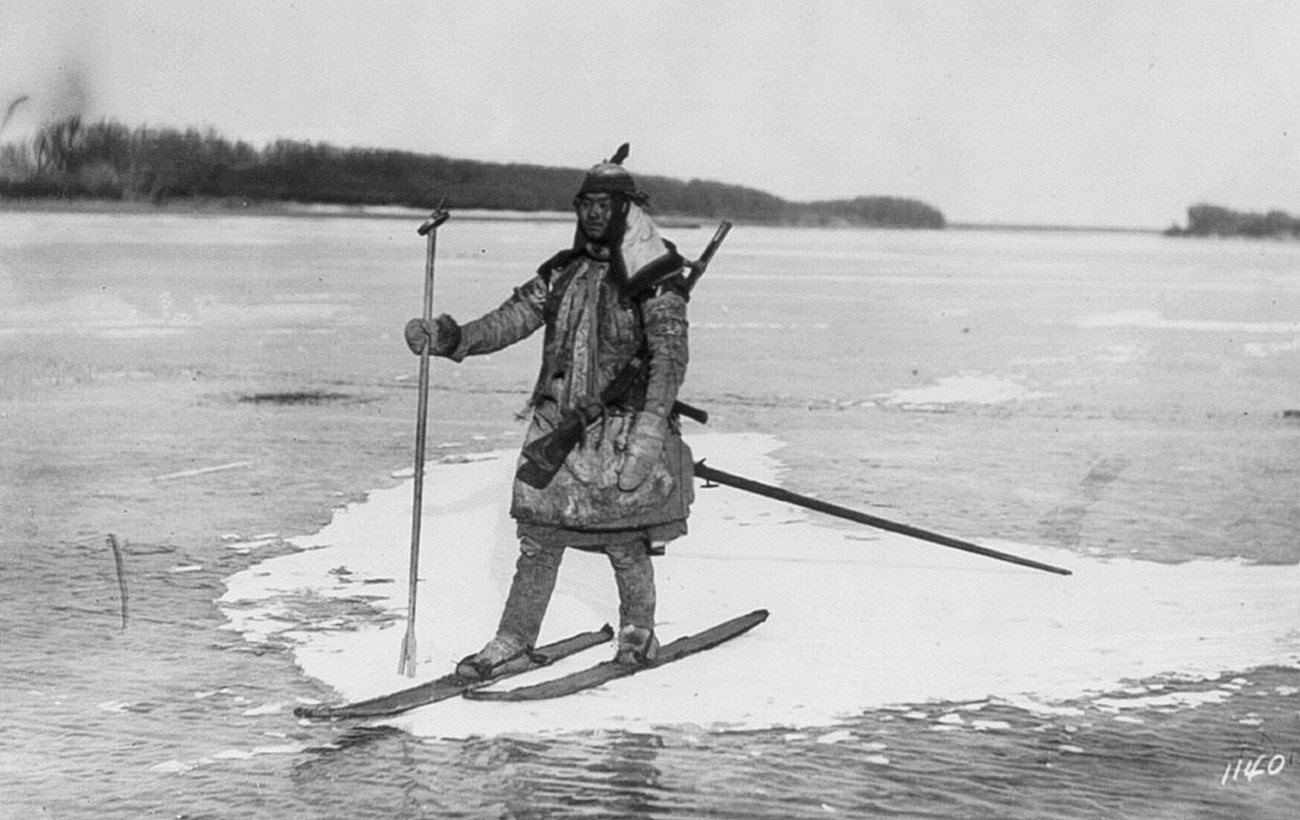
(406, 664)
(758, 488)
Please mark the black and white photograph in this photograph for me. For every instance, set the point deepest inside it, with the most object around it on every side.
(650, 409)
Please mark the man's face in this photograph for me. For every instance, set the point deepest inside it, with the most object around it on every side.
(595, 214)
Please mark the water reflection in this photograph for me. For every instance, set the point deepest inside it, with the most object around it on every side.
(619, 777)
(394, 774)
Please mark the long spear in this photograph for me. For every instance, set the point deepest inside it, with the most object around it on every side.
(758, 488)
(406, 664)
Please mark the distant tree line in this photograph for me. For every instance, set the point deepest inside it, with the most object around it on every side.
(107, 160)
(1214, 220)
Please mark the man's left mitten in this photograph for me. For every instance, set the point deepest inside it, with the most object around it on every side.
(644, 447)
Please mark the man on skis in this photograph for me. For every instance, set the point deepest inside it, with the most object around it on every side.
(613, 311)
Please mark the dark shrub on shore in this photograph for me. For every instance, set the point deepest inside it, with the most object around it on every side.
(107, 160)
(1215, 220)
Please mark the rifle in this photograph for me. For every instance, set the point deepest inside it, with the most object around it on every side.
(700, 265)
(544, 456)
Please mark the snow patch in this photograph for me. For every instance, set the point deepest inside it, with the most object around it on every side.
(906, 622)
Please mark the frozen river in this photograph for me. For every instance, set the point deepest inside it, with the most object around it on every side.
(1113, 403)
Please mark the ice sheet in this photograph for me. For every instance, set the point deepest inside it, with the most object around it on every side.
(860, 619)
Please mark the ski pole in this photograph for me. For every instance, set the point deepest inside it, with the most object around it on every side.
(429, 229)
(758, 488)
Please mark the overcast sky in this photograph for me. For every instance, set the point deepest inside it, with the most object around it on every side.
(1091, 113)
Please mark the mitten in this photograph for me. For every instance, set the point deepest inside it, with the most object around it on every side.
(444, 333)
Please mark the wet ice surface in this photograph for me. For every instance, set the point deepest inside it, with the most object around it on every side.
(1090, 401)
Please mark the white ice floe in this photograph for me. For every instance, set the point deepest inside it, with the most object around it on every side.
(115, 706)
(233, 754)
(837, 736)
(1154, 320)
(965, 388)
(1261, 350)
(200, 471)
(1175, 700)
(279, 749)
(854, 624)
(249, 546)
(990, 725)
(266, 709)
(173, 767)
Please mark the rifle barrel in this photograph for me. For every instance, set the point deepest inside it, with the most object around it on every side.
(702, 264)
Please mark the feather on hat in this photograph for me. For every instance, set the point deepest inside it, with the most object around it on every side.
(610, 177)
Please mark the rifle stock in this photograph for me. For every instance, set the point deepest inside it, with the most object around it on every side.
(691, 412)
(544, 456)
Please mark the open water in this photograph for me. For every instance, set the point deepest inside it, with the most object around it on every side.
(1121, 404)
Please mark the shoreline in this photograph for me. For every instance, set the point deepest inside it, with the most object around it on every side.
(213, 207)
(1016, 227)
(206, 207)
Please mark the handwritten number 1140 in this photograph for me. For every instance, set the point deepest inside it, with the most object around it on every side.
(1251, 769)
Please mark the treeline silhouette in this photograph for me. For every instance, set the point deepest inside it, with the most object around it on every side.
(1215, 220)
(108, 160)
